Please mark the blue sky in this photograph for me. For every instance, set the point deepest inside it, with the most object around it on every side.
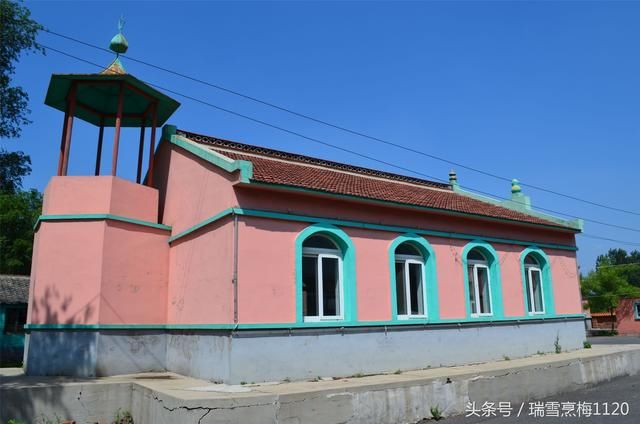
(542, 91)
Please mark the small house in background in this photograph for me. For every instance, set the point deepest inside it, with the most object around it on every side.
(625, 319)
(14, 296)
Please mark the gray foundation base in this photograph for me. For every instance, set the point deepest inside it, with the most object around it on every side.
(257, 356)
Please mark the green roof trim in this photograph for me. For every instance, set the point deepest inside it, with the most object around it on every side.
(245, 167)
(99, 95)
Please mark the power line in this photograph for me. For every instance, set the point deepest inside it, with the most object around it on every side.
(315, 140)
(345, 129)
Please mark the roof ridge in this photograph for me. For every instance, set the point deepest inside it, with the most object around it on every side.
(304, 159)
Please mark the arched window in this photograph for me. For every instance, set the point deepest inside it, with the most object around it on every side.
(533, 284)
(479, 283)
(410, 284)
(322, 294)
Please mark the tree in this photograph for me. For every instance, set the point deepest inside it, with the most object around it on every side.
(17, 35)
(13, 167)
(626, 264)
(604, 288)
(18, 213)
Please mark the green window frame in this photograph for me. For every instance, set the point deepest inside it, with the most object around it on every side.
(347, 272)
(494, 277)
(544, 265)
(429, 278)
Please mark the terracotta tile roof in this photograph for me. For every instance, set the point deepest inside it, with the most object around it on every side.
(277, 167)
(14, 289)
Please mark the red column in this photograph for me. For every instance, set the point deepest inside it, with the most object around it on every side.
(152, 143)
(71, 110)
(116, 140)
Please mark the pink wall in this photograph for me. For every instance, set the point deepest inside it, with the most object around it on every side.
(625, 318)
(200, 274)
(68, 265)
(191, 189)
(100, 195)
(135, 268)
(566, 283)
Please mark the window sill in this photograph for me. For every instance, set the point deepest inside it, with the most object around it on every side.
(410, 317)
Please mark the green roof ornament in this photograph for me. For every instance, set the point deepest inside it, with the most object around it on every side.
(515, 186)
(119, 43)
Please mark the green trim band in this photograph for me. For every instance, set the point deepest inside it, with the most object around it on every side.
(364, 225)
(290, 325)
(98, 217)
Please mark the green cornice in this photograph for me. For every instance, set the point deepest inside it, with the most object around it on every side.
(521, 203)
(245, 167)
(363, 225)
(294, 325)
(99, 217)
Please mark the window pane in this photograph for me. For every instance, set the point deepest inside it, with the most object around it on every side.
(401, 295)
(407, 249)
(475, 255)
(472, 290)
(330, 287)
(319, 242)
(15, 318)
(528, 295)
(537, 291)
(483, 290)
(416, 289)
(310, 286)
(530, 260)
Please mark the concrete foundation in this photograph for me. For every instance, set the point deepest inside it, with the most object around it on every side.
(166, 398)
(276, 355)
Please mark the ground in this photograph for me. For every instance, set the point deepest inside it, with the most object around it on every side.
(623, 389)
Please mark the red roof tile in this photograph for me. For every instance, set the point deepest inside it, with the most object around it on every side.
(277, 167)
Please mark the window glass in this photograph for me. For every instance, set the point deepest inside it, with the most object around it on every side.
(530, 260)
(407, 249)
(319, 241)
(310, 285)
(637, 305)
(536, 289)
(472, 289)
(483, 290)
(416, 289)
(401, 295)
(475, 255)
(330, 287)
(14, 320)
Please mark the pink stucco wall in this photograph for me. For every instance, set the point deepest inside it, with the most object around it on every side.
(135, 267)
(627, 324)
(100, 195)
(200, 274)
(191, 189)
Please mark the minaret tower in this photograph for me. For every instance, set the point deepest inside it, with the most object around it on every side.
(100, 255)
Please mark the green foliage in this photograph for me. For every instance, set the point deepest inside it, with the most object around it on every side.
(123, 417)
(15, 422)
(557, 345)
(605, 287)
(13, 167)
(627, 265)
(17, 35)
(18, 214)
(586, 344)
(436, 413)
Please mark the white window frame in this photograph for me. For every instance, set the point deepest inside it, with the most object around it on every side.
(406, 260)
(320, 254)
(477, 264)
(529, 283)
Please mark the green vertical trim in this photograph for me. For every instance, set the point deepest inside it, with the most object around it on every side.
(430, 276)
(547, 284)
(495, 282)
(348, 268)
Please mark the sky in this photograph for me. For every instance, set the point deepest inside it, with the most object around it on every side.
(546, 92)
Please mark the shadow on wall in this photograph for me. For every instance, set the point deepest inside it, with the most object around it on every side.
(44, 402)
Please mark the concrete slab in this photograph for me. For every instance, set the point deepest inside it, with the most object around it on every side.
(387, 398)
